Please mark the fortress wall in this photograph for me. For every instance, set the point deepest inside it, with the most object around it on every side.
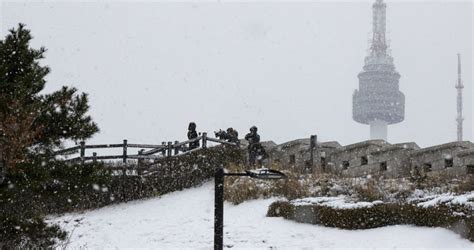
(375, 157)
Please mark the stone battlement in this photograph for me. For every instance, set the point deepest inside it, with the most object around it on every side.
(376, 157)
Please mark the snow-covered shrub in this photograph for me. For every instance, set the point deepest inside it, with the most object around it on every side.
(43, 189)
(281, 209)
(33, 233)
(342, 213)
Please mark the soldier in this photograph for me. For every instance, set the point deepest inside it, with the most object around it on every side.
(192, 134)
(260, 153)
(230, 135)
(233, 136)
(254, 145)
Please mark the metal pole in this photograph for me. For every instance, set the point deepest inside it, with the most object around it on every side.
(219, 209)
(459, 87)
(219, 202)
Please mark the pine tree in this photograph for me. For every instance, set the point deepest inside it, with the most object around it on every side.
(32, 123)
(32, 126)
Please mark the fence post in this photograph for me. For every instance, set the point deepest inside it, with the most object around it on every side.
(204, 140)
(94, 157)
(311, 148)
(140, 162)
(313, 142)
(125, 151)
(170, 147)
(164, 148)
(83, 151)
(176, 149)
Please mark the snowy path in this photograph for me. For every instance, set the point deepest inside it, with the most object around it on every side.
(184, 220)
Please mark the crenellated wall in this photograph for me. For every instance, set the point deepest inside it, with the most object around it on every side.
(377, 157)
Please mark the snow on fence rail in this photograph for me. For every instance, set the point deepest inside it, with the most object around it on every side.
(166, 149)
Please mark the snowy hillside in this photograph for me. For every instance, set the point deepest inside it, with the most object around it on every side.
(185, 220)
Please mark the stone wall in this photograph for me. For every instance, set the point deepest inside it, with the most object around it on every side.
(377, 157)
(466, 157)
(297, 153)
(355, 159)
(442, 159)
(392, 161)
(293, 153)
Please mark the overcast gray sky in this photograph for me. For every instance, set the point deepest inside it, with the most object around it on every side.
(289, 68)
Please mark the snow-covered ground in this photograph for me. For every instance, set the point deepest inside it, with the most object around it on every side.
(185, 220)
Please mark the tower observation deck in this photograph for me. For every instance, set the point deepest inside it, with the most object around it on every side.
(378, 102)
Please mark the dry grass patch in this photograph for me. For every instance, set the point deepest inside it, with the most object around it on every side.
(465, 185)
(240, 189)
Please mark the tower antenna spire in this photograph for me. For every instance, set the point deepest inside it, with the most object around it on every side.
(379, 23)
(459, 87)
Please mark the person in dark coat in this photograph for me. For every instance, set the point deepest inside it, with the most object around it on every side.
(255, 147)
(233, 136)
(192, 134)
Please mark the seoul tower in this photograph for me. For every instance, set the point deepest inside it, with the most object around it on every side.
(378, 102)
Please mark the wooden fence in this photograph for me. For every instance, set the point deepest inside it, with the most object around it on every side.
(147, 151)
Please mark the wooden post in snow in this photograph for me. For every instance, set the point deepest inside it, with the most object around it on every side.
(170, 148)
(204, 140)
(140, 162)
(124, 151)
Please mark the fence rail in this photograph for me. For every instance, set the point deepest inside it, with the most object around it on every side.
(166, 149)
